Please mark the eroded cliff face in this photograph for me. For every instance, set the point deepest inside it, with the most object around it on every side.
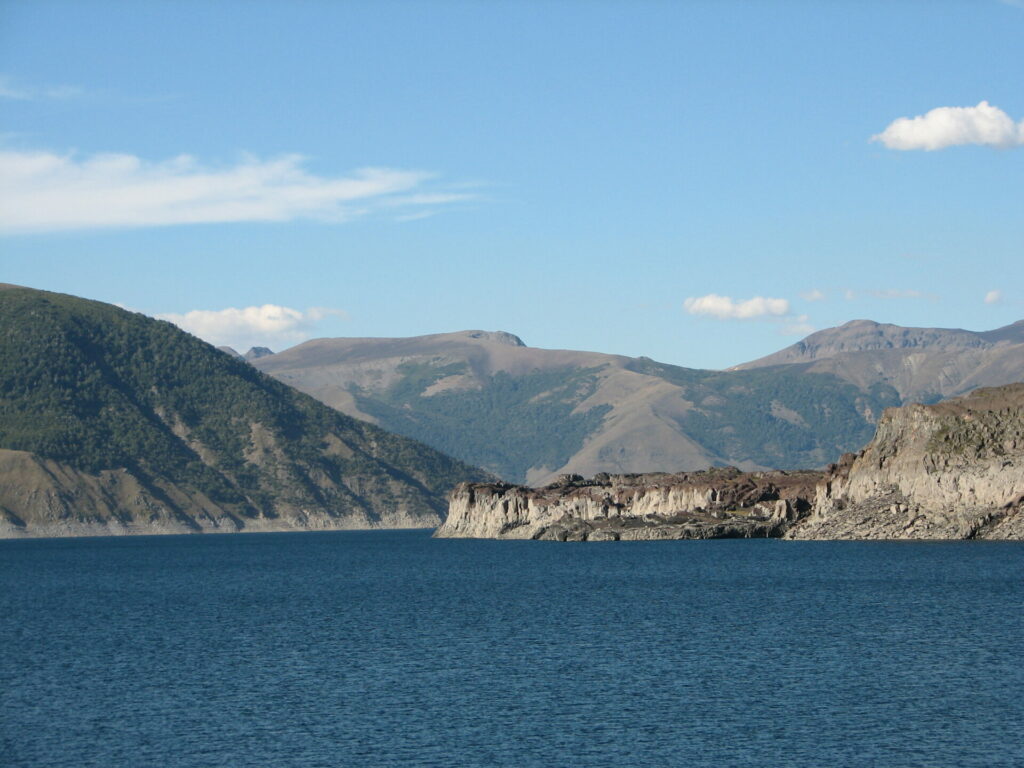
(954, 470)
(949, 471)
(717, 503)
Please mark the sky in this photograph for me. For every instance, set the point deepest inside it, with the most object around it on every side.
(702, 183)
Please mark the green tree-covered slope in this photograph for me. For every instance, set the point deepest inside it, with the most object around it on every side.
(97, 388)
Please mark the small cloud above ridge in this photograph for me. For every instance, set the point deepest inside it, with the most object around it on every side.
(764, 308)
(267, 325)
(726, 308)
(993, 297)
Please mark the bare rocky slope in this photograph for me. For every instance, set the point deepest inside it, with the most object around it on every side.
(529, 415)
(112, 423)
(954, 470)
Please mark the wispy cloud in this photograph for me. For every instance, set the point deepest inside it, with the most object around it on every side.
(267, 325)
(944, 127)
(813, 295)
(9, 89)
(993, 297)
(43, 191)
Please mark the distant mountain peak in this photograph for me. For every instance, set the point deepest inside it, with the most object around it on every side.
(255, 353)
(498, 337)
(922, 363)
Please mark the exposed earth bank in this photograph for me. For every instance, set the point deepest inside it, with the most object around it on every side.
(954, 470)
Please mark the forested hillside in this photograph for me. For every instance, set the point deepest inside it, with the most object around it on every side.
(97, 388)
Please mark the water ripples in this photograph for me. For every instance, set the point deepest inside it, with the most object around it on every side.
(394, 649)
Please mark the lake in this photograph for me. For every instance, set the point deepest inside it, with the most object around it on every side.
(394, 649)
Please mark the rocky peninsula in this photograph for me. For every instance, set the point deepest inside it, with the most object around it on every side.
(954, 470)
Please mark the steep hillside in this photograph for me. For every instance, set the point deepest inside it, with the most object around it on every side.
(113, 422)
(922, 364)
(531, 414)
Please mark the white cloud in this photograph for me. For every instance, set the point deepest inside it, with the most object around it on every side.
(725, 308)
(43, 191)
(814, 295)
(953, 126)
(269, 325)
(757, 308)
(993, 297)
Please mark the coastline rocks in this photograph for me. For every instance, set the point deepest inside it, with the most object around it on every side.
(954, 470)
(715, 503)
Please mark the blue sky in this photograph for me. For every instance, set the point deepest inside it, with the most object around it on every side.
(694, 182)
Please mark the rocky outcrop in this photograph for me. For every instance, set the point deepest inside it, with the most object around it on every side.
(716, 503)
(954, 470)
(949, 471)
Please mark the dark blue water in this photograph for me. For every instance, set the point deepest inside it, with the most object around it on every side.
(394, 649)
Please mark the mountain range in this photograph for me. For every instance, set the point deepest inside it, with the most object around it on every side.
(529, 415)
(113, 422)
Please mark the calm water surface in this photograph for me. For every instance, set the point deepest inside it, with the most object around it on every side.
(394, 649)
